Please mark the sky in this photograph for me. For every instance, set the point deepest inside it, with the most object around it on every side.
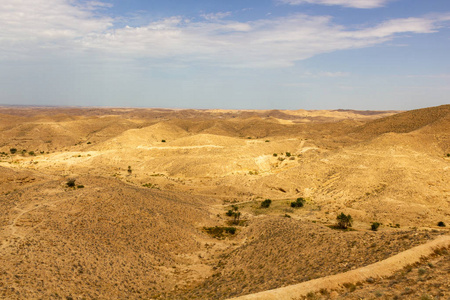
(229, 54)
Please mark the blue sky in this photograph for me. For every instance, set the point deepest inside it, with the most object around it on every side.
(246, 54)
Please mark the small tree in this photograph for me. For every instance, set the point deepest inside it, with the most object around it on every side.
(266, 203)
(344, 221)
(235, 214)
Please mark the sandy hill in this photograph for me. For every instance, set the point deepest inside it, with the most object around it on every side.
(143, 137)
(406, 121)
(55, 132)
(106, 240)
(280, 251)
(139, 232)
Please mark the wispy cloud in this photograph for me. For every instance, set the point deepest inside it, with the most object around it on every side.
(216, 16)
(45, 28)
(346, 3)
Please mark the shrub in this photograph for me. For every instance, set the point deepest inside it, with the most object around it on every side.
(441, 224)
(275, 155)
(230, 230)
(80, 186)
(448, 154)
(71, 183)
(375, 226)
(31, 153)
(288, 154)
(163, 141)
(13, 150)
(129, 170)
(298, 203)
(88, 143)
(266, 203)
(267, 141)
(344, 221)
(218, 232)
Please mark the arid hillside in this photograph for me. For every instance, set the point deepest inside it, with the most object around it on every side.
(111, 203)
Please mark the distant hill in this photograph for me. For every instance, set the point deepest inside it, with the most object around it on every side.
(404, 122)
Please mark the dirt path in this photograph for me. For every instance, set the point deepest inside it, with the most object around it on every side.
(380, 269)
(14, 232)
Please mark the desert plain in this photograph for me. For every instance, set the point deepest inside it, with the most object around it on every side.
(116, 203)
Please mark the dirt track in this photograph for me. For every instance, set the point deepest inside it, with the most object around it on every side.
(380, 269)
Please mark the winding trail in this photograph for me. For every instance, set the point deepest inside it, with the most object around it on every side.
(382, 268)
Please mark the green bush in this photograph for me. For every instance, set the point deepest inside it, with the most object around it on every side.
(266, 203)
(344, 221)
(298, 203)
(218, 232)
(375, 226)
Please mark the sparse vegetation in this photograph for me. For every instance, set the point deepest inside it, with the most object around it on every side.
(150, 185)
(266, 203)
(117, 228)
(298, 203)
(219, 232)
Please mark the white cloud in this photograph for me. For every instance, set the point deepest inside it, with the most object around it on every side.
(45, 24)
(346, 3)
(45, 28)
